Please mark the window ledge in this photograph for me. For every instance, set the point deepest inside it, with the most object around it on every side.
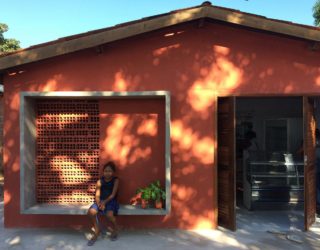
(82, 210)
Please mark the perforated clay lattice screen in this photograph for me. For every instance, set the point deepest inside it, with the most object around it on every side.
(67, 151)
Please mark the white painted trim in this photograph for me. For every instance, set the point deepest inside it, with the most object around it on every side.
(63, 209)
(83, 209)
(22, 168)
(96, 94)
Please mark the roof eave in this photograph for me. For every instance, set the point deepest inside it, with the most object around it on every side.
(173, 18)
(266, 24)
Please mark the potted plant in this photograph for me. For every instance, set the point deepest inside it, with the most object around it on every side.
(153, 192)
(136, 199)
(158, 195)
(145, 194)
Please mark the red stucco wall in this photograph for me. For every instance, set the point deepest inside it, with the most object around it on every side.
(132, 133)
(1, 129)
(195, 65)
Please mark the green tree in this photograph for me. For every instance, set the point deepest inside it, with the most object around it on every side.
(316, 13)
(7, 45)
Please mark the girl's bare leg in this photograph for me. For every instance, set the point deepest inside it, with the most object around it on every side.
(112, 219)
(92, 213)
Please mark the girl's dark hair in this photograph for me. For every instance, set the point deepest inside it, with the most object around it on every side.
(111, 165)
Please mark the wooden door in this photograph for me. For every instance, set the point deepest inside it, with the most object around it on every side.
(310, 162)
(226, 163)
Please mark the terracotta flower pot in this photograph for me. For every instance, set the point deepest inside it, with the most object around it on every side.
(158, 204)
(144, 203)
(136, 199)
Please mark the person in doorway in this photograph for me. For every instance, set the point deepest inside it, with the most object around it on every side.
(249, 151)
(251, 140)
(105, 201)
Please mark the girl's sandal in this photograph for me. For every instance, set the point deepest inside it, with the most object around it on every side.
(114, 237)
(92, 241)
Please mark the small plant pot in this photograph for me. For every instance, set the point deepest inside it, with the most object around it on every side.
(158, 204)
(136, 199)
(144, 203)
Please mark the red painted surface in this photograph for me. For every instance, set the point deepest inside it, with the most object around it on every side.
(69, 160)
(195, 65)
(132, 134)
(1, 127)
(67, 151)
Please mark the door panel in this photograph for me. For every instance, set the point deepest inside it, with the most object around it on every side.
(226, 163)
(310, 162)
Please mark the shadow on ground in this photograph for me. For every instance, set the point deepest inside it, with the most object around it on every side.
(243, 238)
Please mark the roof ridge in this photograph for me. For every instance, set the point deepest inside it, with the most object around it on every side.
(97, 37)
(91, 32)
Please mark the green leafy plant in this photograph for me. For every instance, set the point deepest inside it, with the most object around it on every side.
(153, 192)
(145, 193)
(157, 193)
(316, 12)
(7, 45)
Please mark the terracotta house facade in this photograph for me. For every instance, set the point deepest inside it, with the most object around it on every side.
(153, 95)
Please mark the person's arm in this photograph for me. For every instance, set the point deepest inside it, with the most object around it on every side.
(114, 191)
(98, 188)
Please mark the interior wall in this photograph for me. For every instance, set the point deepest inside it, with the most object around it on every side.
(317, 111)
(258, 110)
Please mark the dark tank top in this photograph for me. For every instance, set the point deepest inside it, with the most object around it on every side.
(106, 188)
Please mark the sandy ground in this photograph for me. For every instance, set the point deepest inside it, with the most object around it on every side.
(1, 187)
(244, 238)
(252, 234)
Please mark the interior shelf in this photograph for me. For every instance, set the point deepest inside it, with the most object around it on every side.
(270, 183)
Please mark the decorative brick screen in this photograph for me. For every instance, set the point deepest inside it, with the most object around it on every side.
(67, 150)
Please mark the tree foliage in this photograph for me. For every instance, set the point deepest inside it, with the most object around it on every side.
(7, 45)
(316, 13)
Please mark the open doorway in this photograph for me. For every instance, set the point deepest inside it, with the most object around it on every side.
(267, 162)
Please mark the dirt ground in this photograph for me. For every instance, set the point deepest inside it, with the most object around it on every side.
(1, 186)
(253, 237)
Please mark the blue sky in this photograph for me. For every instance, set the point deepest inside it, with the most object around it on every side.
(34, 21)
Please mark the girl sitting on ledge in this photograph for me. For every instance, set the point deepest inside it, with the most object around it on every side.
(105, 201)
